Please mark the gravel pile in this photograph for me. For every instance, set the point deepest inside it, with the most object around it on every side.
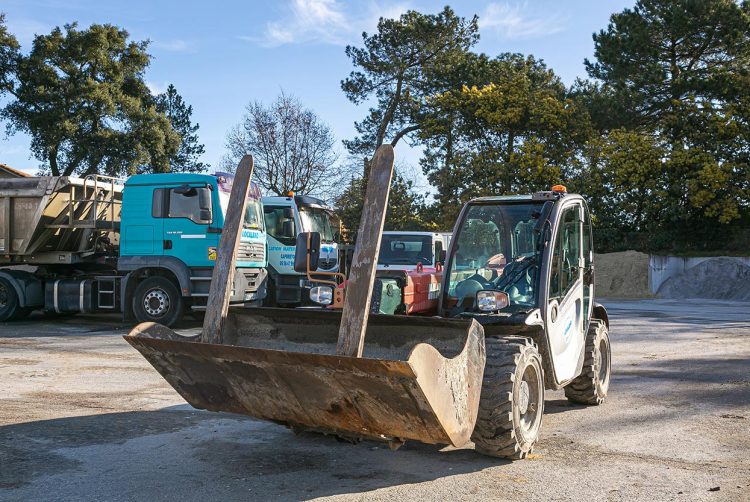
(722, 278)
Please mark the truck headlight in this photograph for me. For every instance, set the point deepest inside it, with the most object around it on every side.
(489, 301)
(322, 295)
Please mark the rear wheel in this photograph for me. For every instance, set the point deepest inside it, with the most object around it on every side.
(10, 310)
(512, 400)
(157, 299)
(591, 386)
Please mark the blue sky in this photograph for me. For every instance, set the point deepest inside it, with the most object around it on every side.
(222, 55)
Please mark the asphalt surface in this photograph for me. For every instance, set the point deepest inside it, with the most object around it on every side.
(83, 416)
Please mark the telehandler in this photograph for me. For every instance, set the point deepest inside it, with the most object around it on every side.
(516, 316)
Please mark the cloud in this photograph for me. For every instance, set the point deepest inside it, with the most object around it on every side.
(176, 45)
(157, 87)
(512, 21)
(324, 21)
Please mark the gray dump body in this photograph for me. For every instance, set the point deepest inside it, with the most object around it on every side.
(58, 219)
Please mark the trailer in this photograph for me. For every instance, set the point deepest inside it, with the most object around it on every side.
(144, 247)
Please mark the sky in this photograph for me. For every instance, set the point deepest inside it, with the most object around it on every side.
(223, 55)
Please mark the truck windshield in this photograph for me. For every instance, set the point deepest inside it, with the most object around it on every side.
(406, 250)
(496, 249)
(317, 220)
(254, 215)
(253, 211)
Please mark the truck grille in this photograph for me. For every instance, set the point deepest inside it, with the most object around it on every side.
(251, 251)
(327, 264)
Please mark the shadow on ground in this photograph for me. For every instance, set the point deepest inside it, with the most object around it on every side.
(228, 450)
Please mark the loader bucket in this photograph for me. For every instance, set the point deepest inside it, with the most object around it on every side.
(419, 377)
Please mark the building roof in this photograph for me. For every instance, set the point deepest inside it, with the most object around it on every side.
(13, 172)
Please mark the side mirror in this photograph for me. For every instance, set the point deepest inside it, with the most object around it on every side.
(304, 250)
(288, 213)
(441, 256)
(185, 190)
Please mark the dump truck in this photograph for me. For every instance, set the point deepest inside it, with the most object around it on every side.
(286, 217)
(144, 247)
(516, 316)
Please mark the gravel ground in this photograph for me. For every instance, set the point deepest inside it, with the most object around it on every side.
(83, 416)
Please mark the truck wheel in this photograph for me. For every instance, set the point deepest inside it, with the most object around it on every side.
(9, 308)
(512, 401)
(270, 299)
(157, 299)
(591, 386)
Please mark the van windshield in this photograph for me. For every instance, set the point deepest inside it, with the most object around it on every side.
(406, 250)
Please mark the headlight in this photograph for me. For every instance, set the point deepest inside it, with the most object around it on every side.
(322, 295)
(489, 301)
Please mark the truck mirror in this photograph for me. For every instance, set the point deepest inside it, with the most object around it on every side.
(441, 256)
(185, 190)
(308, 244)
(288, 213)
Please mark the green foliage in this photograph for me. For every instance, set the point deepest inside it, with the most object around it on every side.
(513, 129)
(9, 56)
(658, 142)
(399, 66)
(677, 71)
(187, 156)
(81, 96)
(406, 209)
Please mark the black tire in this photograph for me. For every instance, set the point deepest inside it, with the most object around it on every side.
(270, 299)
(157, 299)
(591, 386)
(512, 401)
(10, 310)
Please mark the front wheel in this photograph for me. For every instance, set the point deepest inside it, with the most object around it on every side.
(591, 386)
(511, 404)
(157, 299)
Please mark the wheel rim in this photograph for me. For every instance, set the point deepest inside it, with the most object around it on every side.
(601, 359)
(529, 401)
(4, 296)
(156, 302)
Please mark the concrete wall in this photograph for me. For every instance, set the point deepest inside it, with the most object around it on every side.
(662, 267)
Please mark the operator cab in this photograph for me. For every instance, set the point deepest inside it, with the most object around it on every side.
(500, 267)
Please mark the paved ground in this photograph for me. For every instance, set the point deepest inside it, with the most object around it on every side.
(82, 416)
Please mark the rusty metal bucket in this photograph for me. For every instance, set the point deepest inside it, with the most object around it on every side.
(419, 378)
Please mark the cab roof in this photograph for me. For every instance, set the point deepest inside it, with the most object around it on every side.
(535, 197)
(169, 178)
(299, 200)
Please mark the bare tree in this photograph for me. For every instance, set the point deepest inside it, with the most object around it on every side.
(292, 148)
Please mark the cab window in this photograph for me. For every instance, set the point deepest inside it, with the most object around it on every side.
(193, 203)
(566, 254)
(280, 224)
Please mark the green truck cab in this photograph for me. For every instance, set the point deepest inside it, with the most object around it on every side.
(170, 230)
